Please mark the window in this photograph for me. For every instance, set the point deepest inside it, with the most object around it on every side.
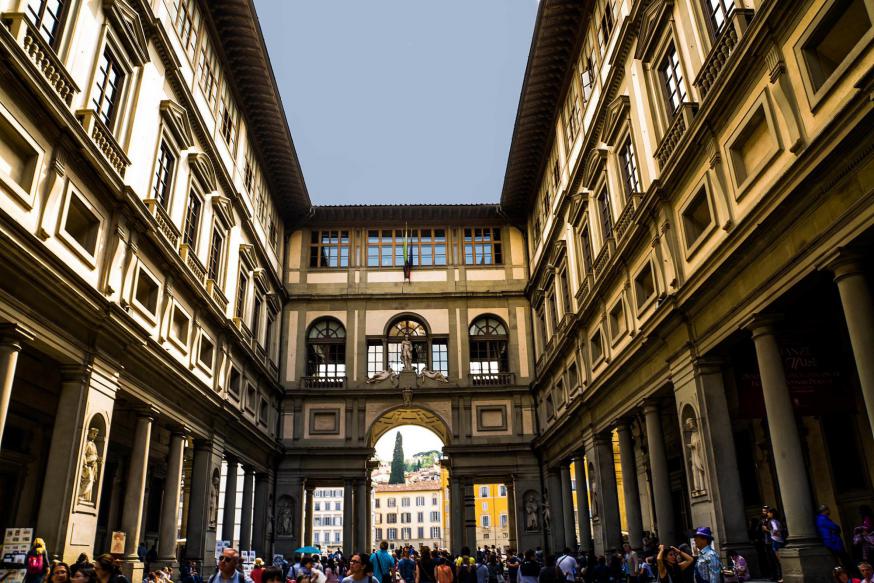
(485, 520)
(268, 332)
(418, 335)
(378, 533)
(421, 532)
(433, 500)
(215, 265)
(605, 213)
(46, 17)
(391, 502)
(696, 218)
(550, 308)
(329, 249)
(391, 518)
(375, 357)
(316, 534)
(435, 532)
(163, 174)
(628, 161)
(206, 351)
(376, 505)
(208, 73)
(406, 534)
(242, 291)
(192, 220)
(82, 224)
(565, 291)
(405, 502)
(838, 33)
(483, 491)
(392, 533)
(587, 75)
(256, 317)
(482, 246)
(505, 521)
(107, 87)
(180, 323)
(597, 346)
(605, 26)
(434, 516)
(440, 356)
(326, 349)
(229, 119)
(385, 248)
(317, 507)
(420, 501)
(571, 115)
(672, 77)
(718, 12)
(420, 517)
(644, 285)
(186, 24)
(406, 518)
(234, 381)
(618, 325)
(488, 346)
(573, 376)
(586, 248)
(147, 289)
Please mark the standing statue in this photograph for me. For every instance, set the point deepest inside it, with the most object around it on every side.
(593, 492)
(407, 353)
(284, 519)
(547, 513)
(531, 521)
(214, 500)
(90, 467)
(696, 455)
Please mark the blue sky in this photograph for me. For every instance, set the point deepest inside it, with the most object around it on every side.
(400, 101)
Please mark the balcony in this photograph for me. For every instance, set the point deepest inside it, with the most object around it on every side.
(603, 258)
(165, 224)
(722, 49)
(492, 379)
(215, 292)
(681, 122)
(193, 263)
(565, 322)
(323, 382)
(103, 139)
(583, 289)
(41, 55)
(625, 219)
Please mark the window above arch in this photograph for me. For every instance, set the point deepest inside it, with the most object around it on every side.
(488, 350)
(407, 327)
(326, 351)
(488, 326)
(326, 329)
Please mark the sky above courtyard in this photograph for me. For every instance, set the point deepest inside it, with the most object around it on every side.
(400, 101)
(415, 440)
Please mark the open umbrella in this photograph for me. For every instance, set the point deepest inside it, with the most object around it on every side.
(309, 550)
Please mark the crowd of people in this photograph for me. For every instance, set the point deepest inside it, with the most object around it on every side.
(652, 562)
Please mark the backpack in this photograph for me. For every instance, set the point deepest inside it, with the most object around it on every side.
(444, 573)
(35, 564)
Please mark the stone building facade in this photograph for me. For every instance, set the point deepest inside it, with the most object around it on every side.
(409, 514)
(679, 265)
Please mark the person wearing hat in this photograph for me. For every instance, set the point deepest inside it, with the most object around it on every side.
(708, 567)
(257, 570)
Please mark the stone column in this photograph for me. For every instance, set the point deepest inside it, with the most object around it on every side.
(804, 558)
(362, 509)
(583, 523)
(456, 514)
(567, 508)
(203, 501)
(661, 484)
(348, 517)
(629, 484)
(859, 315)
(132, 515)
(259, 516)
(469, 514)
(513, 539)
(310, 510)
(246, 510)
(170, 504)
(609, 525)
(556, 513)
(229, 515)
(10, 346)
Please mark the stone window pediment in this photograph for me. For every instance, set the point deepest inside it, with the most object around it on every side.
(202, 168)
(129, 29)
(176, 121)
(593, 166)
(652, 25)
(618, 116)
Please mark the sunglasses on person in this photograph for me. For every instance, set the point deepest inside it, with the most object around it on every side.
(354, 561)
(227, 559)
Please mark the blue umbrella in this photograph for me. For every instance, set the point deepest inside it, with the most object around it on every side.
(310, 550)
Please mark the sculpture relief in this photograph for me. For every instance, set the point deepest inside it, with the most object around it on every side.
(387, 374)
(547, 513)
(90, 467)
(284, 516)
(434, 375)
(531, 508)
(593, 492)
(696, 455)
(214, 499)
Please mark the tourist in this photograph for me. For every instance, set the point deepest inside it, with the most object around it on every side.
(383, 563)
(830, 533)
(867, 572)
(359, 567)
(673, 564)
(332, 575)
(496, 569)
(863, 535)
(550, 573)
(465, 567)
(482, 568)
(600, 571)
(647, 570)
(425, 566)
(272, 575)
(568, 565)
(708, 567)
(736, 571)
(443, 571)
(257, 570)
(840, 575)
(85, 574)
(227, 568)
(630, 563)
(81, 561)
(107, 570)
(60, 573)
(777, 534)
(36, 562)
(407, 568)
(513, 563)
(529, 570)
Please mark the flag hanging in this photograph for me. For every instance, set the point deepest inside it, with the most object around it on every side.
(408, 255)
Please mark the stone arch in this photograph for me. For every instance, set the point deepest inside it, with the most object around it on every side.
(408, 414)
(400, 316)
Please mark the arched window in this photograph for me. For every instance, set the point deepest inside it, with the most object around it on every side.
(488, 346)
(428, 352)
(326, 349)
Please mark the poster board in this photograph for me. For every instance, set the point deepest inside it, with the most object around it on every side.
(16, 543)
(118, 540)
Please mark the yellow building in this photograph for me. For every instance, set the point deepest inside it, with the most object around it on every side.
(492, 515)
(409, 514)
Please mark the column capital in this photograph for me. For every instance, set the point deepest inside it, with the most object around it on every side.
(602, 438)
(709, 364)
(182, 431)
(651, 406)
(843, 263)
(763, 324)
(622, 424)
(12, 335)
(146, 412)
(231, 459)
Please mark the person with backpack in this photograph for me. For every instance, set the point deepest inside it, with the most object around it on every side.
(568, 565)
(465, 567)
(407, 568)
(550, 573)
(443, 571)
(383, 563)
(36, 562)
(529, 570)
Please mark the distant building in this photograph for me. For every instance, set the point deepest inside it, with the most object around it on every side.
(492, 515)
(328, 518)
(409, 513)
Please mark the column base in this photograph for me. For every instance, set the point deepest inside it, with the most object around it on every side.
(132, 569)
(805, 562)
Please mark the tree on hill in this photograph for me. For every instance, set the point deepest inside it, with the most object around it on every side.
(397, 462)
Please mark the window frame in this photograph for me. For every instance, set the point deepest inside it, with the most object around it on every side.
(68, 238)
(679, 76)
(495, 243)
(376, 238)
(37, 20)
(119, 95)
(338, 350)
(344, 241)
(491, 342)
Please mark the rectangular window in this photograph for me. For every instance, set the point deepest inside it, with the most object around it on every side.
(405, 502)
(216, 254)
(376, 505)
(421, 532)
(392, 503)
(241, 295)
(606, 214)
(835, 37)
(46, 17)
(571, 115)
(375, 358)
(420, 517)
(672, 78)
(630, 174)
(505, 521)
(485, 521)
(208, 73)
(229, 119)
(256, 317)
(483, 491)
(378, 533)
(586, 245)
(502, 490)
(192, 221)
(107, 87)
(186, 24)
(420, 501)
(718, 11)
(440, 357)
(482, 246)
(426, 247)
(329, 249)
(433, 500)
(391, 518)
(163, 174)
(392, 534)
(605, 26)
(587, 76)
(434, 516)
(435, 532)
(565, 292)
(406, 534)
